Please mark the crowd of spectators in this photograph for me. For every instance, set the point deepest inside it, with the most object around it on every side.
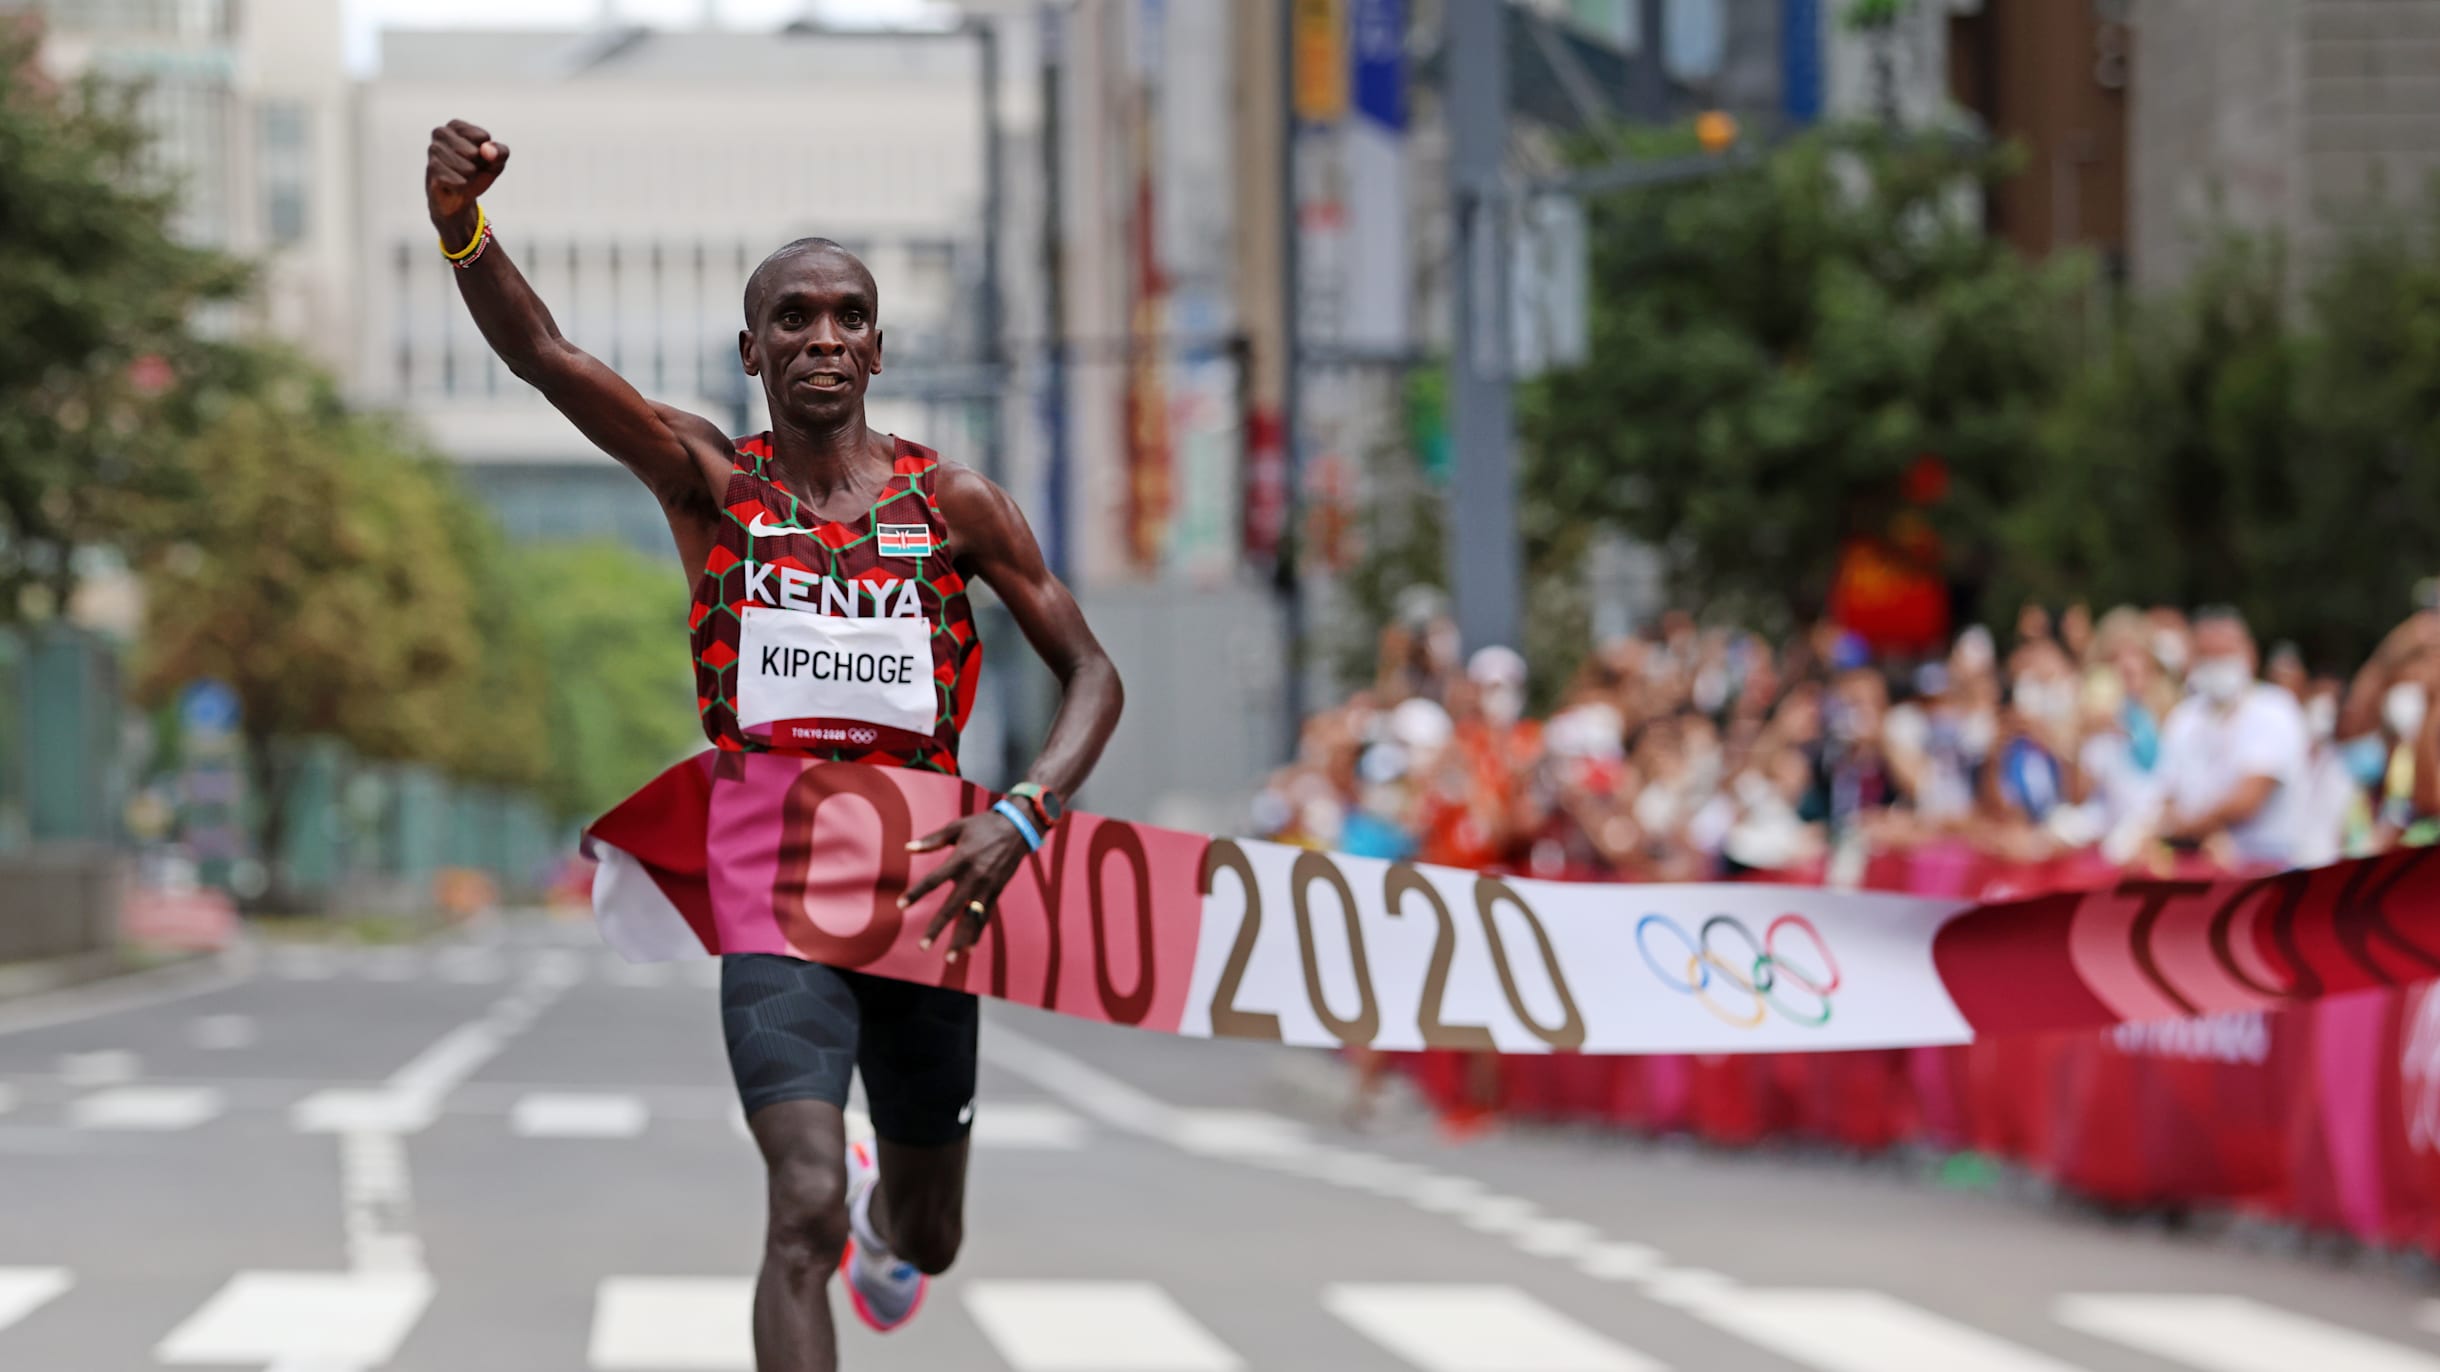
(2147, 737)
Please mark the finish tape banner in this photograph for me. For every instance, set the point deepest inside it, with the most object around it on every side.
(1232, 938)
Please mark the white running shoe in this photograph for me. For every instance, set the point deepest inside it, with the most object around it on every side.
(885, 1291)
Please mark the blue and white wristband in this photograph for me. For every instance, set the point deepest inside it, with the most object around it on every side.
(1015, 814)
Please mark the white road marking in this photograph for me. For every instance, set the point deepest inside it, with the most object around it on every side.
(1027, 1124)
(1621, 1261)
(1365, 1171)
(23, 1290)
(1448, 1195)
(109, 1067)
(1236, 1133)
(1557, 1238)
(157, 1108)
(1084, 1326)
(1459, 1328)
(1688, 1286)
(1079, 1083)
(377, 1195)
(1865, 1331)
(343, 1319)
(346, 1111)
(377, 1203)
(546, 1115)
(673, 1324)
(2233, 1334)
(1499, 1214)
(222, 1033)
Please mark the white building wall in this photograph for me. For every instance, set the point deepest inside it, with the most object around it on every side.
(649, 173)
(217, 77)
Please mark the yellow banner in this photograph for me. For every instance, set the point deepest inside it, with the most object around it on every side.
(1321, 60)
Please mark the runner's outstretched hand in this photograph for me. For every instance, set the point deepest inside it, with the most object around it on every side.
(989, 851)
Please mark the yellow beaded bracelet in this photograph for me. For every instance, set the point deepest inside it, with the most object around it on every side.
(482, 224)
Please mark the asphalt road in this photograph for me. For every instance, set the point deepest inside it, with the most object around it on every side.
(512, 1152)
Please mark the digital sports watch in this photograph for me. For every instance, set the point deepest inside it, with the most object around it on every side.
(1032, 809)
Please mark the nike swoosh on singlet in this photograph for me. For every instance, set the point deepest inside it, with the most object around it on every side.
(761, 530)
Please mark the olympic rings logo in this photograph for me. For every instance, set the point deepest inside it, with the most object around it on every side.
(1724, 958)
(863, 737)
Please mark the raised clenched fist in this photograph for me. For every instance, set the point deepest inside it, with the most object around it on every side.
(463, 162)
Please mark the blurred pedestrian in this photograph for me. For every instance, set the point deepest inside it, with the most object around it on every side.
(2233, 754)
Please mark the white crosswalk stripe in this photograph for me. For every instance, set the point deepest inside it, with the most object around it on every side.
(545, 1115)
(356, 1320)
(673, 1324)
(23, 1290)
(109, 1067)
(1027, 1124)
(1087, 1326)
(337, 1319)
(156, 1108)
(1864, 1331)
(1462, 1328)
(2233, 1334)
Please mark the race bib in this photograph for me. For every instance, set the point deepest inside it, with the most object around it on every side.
(793, 665)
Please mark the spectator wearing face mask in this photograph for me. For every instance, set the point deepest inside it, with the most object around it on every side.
(2337, 810)
(2233, 754)
(2410, 810)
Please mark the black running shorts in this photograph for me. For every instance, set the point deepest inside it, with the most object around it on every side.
(797, 1029)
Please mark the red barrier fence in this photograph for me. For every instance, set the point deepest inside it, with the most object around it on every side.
(2327, 1113)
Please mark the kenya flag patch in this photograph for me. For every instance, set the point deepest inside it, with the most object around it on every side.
(905, 540)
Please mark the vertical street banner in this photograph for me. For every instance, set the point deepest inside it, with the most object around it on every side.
(1149, 495)
(1379, 273)
(1236, 938)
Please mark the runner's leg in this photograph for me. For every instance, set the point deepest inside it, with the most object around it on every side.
(792, 1034)
(918, 1059)
(804, 1147)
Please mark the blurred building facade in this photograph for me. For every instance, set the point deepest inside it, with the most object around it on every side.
(249, 102)
(2280, 116)
(651, 171)
(2053, 79)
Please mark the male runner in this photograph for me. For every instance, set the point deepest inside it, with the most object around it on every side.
(825, 537)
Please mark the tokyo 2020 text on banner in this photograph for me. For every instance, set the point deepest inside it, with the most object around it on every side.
(1232, 938)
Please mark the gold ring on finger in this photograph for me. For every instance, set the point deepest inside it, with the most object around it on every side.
(977, 907)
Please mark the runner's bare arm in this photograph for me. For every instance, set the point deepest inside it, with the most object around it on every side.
(992, 541)
(684, 458)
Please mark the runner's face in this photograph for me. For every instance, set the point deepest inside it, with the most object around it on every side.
(815, 338)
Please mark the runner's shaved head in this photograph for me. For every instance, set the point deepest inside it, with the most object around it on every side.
(760, 281)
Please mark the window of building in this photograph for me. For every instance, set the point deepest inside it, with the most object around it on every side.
(287, 163)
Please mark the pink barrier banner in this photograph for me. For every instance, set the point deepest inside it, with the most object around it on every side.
(1213, 937)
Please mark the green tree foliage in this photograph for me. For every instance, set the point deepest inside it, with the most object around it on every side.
(611, 634)
(2252, 442)
(337, 581)
(1773, 349)
(2166, 465)
(95, 296)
